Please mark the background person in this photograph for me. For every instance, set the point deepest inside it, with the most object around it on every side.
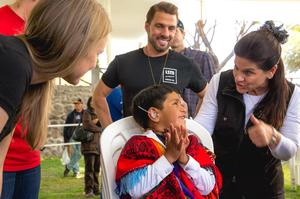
(115, 104)
(203, 60)
(73, 117)
(15, 16)
(22, 171)
(165, 162)
(91, 151)
(250, 136)
(150, 65)
(55, 44)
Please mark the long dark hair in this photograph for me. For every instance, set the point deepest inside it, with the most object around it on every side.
(89, 105)
(263, 47)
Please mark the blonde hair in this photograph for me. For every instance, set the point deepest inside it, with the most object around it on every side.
(58, 33)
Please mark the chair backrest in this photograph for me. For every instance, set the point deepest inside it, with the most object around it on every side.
(115, 136)
(201, 133)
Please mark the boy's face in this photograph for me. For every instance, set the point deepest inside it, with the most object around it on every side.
(174, 111)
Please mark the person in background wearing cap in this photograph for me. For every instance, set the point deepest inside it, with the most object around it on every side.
(203, 60)
(151, 65)
(74, 116)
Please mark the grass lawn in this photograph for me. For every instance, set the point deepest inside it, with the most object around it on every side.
(55, 186)
(289, 193)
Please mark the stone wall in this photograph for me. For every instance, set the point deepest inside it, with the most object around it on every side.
(62, 104)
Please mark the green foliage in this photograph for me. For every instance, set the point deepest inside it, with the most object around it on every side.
(296, 28)
(54, 185)
(292, 50)
(289, 192)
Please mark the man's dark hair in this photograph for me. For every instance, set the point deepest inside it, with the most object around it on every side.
(163, 6)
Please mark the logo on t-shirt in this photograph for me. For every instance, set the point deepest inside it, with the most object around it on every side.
(78, 118)
(169, 76)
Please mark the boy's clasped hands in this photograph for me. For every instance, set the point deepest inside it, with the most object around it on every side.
(177, 142)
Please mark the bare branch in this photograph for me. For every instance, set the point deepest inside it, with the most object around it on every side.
(200, 30)
(214, 31)
(200, 26)
(201, 35)
(224, 62)
(252, 24)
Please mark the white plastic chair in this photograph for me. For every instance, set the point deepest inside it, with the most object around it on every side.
(115, 136)
(201, 133)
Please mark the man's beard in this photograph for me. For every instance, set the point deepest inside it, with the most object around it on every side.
(156, 47)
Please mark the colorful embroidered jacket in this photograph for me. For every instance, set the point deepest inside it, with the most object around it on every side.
(141, 151)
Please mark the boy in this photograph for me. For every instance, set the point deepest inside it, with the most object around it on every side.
(164, 162)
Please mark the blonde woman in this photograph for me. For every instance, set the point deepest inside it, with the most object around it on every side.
(62, 39)
(21, 168)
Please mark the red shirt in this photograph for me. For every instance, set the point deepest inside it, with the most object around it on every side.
(20, 156)
(10, 23)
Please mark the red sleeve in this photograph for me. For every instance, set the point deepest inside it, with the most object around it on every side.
(138, 152)
(206, 160)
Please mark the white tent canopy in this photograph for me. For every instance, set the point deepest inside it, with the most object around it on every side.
(128, 17)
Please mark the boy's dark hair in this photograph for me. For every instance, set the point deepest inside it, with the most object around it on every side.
(152, 96)
(163, 6)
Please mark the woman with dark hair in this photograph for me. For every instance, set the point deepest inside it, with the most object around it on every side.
(91, 151)
(253, 114)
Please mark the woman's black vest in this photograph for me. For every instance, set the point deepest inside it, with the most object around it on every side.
(248, 172)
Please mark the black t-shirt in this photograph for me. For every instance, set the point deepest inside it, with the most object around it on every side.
(15, 78)
(132, 71)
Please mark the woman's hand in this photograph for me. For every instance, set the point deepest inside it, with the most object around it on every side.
(262, 134)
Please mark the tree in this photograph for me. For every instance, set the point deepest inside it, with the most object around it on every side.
(201, 37)
(292, 52)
